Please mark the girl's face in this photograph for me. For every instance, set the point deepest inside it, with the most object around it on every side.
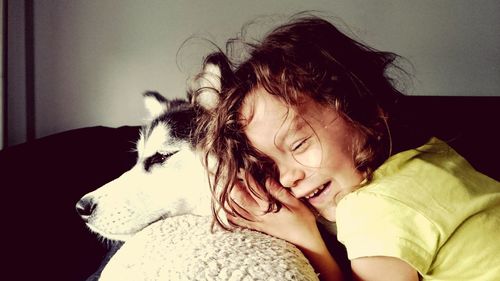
(311, 147)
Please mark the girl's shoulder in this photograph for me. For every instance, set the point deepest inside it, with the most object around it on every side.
(428, 165)
(416, 204)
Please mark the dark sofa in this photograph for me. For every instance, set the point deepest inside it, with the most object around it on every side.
(44, 239)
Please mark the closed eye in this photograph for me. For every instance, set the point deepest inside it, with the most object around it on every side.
(300, 145)
(157, 159)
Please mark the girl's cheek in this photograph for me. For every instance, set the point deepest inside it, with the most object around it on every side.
(312, 157)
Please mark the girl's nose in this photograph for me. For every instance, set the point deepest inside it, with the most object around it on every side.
(291, 177)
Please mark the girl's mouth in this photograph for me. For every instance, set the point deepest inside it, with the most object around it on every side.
(317, 192)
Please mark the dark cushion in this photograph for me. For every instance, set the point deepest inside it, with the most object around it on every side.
(41, 183)
(468, 124)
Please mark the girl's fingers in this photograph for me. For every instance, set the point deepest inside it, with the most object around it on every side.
(254, 189)
(243, 218)
(242, 211)
(242, 196)
(280, 193)
(250, 207)
(274, 188)
(237, 221)
(244, 203)
(257, 193)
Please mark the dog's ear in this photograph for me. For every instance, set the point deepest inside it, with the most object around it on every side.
(206, 87)
(155, 103)
(209, 87)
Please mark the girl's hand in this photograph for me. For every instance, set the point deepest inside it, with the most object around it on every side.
(294, 222)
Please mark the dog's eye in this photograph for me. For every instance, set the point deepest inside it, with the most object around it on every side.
(157, 159)
(162, 157)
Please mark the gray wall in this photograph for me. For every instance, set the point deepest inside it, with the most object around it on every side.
(16, 90)
(93, 58)
(2, 73)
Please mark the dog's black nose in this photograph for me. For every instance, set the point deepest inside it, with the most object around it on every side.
(85, 207)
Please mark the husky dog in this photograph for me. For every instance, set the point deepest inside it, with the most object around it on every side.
(168, 179)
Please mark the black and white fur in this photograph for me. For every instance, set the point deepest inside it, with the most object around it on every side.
(168, 179)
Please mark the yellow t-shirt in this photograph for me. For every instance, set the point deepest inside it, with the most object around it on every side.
(430, 208)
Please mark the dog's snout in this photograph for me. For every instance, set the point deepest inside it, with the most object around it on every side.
(85, 207)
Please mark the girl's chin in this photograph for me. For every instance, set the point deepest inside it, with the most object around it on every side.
(324, 204)
(327, 212)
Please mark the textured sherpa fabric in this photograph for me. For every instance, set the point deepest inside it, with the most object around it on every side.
(184, 248)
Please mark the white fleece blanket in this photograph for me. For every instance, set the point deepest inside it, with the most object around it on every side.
(184, 248)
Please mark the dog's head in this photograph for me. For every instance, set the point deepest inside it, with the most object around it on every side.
(168, 178)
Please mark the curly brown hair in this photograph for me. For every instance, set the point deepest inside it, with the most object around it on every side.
(306, 56)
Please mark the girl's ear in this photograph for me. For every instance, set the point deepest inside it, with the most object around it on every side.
(155, 103)
(207, 86)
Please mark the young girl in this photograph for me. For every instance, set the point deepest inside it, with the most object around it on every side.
(308, 126)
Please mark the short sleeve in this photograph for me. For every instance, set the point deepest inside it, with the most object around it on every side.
(376, 225)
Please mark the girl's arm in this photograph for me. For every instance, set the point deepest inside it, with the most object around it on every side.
(294, 223)
(382, 268)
